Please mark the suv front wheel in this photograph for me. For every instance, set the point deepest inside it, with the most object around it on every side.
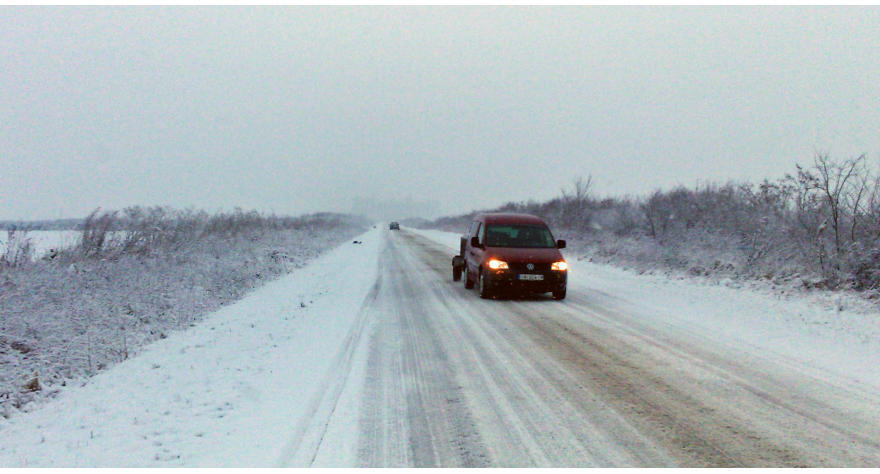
(468, 284)
(485, 292)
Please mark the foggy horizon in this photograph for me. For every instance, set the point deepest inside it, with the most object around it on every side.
(296, 110)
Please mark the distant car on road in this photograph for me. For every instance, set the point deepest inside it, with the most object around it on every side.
(514, 252)
(394, 226)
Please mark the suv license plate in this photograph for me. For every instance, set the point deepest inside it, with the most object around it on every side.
(531, 277)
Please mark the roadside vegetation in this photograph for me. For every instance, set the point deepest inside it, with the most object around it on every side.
(816, 228)
(136, 276)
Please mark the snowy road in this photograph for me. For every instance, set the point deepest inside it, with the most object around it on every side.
(373, 356)
(452, 380)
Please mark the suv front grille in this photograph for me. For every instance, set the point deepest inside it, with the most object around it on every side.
(521, 267)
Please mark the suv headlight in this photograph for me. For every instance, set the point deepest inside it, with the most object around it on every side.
(561, 266)
(498, 265)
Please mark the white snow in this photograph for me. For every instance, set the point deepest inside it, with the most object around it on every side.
(235, 389)
(45, 240)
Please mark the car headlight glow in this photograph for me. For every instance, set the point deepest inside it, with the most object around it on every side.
(561, 266)
(498, 265)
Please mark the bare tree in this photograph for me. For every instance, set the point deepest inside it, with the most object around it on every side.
(577, 204)
(858, 187)
(834, 181)
(658, 213)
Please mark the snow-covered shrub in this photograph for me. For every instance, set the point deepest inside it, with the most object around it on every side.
(819, 226)
(19, 249)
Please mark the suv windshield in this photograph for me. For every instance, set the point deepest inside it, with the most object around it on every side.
(525, 236)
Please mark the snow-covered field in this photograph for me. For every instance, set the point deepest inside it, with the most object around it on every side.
(45, 240)
(276, 378)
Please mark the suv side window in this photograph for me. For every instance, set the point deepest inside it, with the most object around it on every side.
(474, 228)
(482, 235)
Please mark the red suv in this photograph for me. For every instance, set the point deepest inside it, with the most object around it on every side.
(511, 252)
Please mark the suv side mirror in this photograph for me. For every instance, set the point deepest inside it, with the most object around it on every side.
(475, 242)
(560, 244)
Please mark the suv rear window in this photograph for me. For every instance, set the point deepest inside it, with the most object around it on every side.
(523, 236)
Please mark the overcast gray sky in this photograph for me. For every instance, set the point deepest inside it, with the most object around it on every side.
(300, 109)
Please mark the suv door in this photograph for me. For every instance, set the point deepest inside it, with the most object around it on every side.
(474, 254)
(466, 239)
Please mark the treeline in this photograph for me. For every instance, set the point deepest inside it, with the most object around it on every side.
(143, 230)
(819, 225)
(138, 230)
(56, 224)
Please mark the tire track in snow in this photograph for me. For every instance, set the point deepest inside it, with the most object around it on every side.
(311, 428)
(750, 410)
(414, 414)
(534, 413)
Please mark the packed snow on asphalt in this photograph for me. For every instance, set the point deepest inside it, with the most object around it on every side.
(373, 356)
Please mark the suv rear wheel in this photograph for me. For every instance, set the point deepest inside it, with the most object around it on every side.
(468, 284)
